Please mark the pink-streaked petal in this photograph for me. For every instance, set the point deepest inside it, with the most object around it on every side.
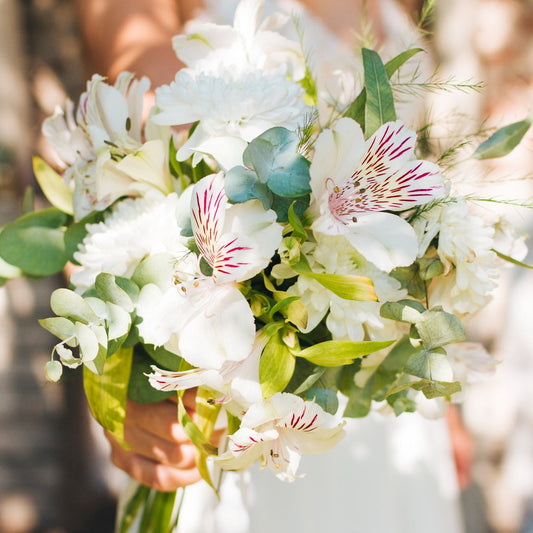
(165, 380)
(208, 207)
(232, 258)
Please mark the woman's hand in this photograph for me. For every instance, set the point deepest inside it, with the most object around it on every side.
(161, 455)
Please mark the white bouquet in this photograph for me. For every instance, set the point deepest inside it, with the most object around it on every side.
(285, 250)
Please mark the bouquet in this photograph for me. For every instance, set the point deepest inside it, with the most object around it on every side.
(290, 248)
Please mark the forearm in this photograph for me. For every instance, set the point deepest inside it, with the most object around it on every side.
(132, 35)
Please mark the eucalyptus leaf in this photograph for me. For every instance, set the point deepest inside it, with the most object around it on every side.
(436, 389)
(326, 398)
(67, 303)
(379, 107)
(34, 243)
(163, 358)
(107, 393)
(430, 365)
(409, 311)
(156, 269)
(242, 184)
(63, 328)
(53, 186)
(430, 267)
(438, 328)
(503, 141)
(109, 291)
(409, 278)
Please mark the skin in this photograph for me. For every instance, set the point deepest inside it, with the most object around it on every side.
(135, 35)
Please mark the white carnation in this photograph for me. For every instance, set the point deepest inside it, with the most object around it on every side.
(231, 108)
(465, 248)
(134, 229)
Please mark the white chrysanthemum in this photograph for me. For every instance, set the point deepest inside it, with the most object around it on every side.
(134, 229)
(231, 110)
(465, 248)
(347, 319)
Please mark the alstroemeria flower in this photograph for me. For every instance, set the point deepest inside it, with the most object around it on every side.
(103, 150)
(279, 431)
(237, 382)
(215, 322)
(356, 182)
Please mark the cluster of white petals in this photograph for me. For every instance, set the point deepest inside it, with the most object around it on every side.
(347, 319)
(279, 430)
(231, 109)
(465, 246)
(132, 230)
(102, 149)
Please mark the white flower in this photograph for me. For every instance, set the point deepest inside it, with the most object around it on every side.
(465, 248)
(231, 108)
(355, 182)
(206, 319)
(102, 151)
(134, 229)
(471, 362)
(250, 42)
(236, 381)
(279, 431)
(347, 319)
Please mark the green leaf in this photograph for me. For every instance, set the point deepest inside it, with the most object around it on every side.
(504, 141)
(507, 258)
(107, 393)
(433, 366)
(438, 328)
(54, 188)
(379, 107)
(163, 358)
(430, 267)
(356, 110)
(348, 287)
(157, 513)
(109, 291)
(193, 431)
(326, 398)
(409, 278)
(298, 229)
(360, 399)
(67, 303)
(409, 311)
(131, 510)
(339, 353)
(276, 366)
(242, 184)
(60, 327)
(156, 269)
(139, 388)
(34, 243)
(436, 389)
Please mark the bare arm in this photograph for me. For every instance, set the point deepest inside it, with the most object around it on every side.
(133, 35)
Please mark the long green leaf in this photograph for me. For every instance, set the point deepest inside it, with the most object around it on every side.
(356, 110)
(339, 353)
(379, 98)
(504, 141)
(107, 393)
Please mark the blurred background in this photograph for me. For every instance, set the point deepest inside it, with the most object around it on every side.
(54, 473)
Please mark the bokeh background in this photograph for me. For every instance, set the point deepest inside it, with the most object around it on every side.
(54, 472)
